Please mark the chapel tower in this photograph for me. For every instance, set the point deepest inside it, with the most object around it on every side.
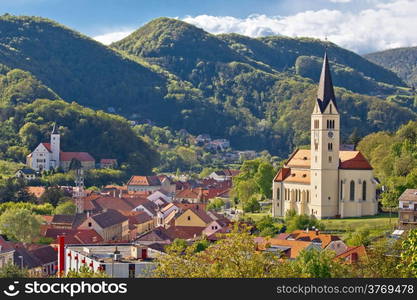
(55, 147)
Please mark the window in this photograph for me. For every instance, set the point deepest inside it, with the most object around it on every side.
(330, 146)
(308, 196)
(316, 124)
(352, 190)
(330, 159)
(89, 224)
(364, 190)
(330, 108)
(278, 194)
(330, 124)
(341, 190)
(189, 218)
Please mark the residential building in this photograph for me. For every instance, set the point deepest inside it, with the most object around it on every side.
(223, 175)
(26, 173)
(323, 181)
(108, 163)
(407, 209)
(111, 225)
(116, 260)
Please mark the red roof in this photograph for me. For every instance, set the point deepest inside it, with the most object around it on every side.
(144, 181)
(108, 160)
(353, 160)
(81, 156)
(47, 146)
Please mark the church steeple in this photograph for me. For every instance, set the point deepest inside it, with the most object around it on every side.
(325, 93)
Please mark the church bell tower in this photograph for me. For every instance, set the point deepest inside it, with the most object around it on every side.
(325, 144)
(55, 147)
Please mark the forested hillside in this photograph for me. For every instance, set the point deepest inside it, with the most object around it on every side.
(256, 92)
(402, 61)
(28, 109)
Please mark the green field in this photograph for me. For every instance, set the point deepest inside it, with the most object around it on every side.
(378, 222)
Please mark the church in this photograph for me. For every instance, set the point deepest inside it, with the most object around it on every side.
(48, 156)
(325, 181)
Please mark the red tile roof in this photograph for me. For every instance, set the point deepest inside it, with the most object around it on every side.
(47, 146)
(81, 156)
(144, 181)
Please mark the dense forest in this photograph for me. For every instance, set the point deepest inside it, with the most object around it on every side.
(256, 92)
(402, 61)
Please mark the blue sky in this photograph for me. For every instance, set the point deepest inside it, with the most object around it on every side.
(355, 24)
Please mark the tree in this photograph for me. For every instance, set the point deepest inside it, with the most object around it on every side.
(20, 224)
(361, 236)
(263, 178)
(66, 208)
(409, 254)
(53, 195)
(10, 270)
(302, 222)
(216, 204)
(234, 256)
(318, 264)
(267, 226)
(252, 205)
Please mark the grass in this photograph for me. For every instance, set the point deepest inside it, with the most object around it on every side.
(381, 221)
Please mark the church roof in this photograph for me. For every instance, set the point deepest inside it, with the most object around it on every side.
(301, 159)
(81, 156)
(325, 93)
(47, 146)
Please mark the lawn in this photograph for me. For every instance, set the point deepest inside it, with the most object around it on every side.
(378, 222)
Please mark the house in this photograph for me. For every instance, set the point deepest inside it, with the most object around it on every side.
(196, 218)
(142, 222)
(352, 254)
(202, 139)
(218, 145)
(325, 241)
(324, 181)
(67, 221)
(116, 260)
(111, 225)
(166, 236)
(72, 236)
(108, 163)
(26, 173)
(224, 175)
(288, 248)
(407, 208)
(40, 260)
(216, 226)
(47, 156)
(144, 183)
(159, 198)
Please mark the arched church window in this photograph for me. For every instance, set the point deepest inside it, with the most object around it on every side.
(352, 190)
(364, 190)
(316, 124)
(330, 159)
(341, 190)
(278, 194)
(330, 108)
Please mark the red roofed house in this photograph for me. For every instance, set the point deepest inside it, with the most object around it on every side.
(108, 163)
(324, 181)
(47, 156)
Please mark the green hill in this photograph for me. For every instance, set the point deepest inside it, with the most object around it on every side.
(256, 92)
(402, 61)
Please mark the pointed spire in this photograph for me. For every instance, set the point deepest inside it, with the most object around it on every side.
(325, 93)
(55, 129)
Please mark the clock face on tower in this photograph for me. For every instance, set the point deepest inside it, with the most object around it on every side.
(330, 134)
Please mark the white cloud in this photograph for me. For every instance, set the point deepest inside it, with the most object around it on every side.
(384, 26)
(111, 37)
